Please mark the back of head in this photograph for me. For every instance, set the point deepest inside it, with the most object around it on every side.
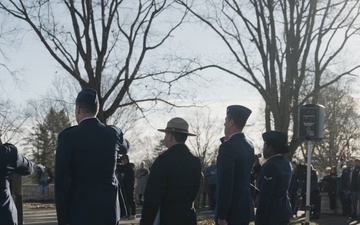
(179, 128)
(180, 137)
(88, 100)
(277, 140)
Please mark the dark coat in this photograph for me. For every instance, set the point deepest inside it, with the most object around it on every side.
(173, 184)
(234, 164)
(126, 178)
(10, 162)
(127, 174)
(354, 181)
(86, 188)
(274, 180)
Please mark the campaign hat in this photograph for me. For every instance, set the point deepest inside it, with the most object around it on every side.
(278, 139)
(238, 111)
(88, 96)
(177, 125)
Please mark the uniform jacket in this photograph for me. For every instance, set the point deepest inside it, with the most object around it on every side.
(273, 203)
(86, 188)
(10, 162)
(172, 186)
(234, 164)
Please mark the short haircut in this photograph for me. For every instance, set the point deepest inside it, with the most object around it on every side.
(179, 137)
(89, 108)
(239, 122)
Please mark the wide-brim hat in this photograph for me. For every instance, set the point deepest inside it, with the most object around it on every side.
(177, 125)
(238, 111)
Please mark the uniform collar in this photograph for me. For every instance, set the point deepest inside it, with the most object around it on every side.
(86, 118)
(273, 157)
(235, 134)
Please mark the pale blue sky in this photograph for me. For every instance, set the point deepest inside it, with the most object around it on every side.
(37, 71)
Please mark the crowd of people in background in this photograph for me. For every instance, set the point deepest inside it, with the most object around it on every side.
(232, 185)
(341, 184)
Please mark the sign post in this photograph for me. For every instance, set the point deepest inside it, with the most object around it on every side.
(311, 127)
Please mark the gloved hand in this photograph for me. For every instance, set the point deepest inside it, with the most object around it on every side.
(39, 168)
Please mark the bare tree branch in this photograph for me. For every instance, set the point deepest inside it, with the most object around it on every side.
(279, 46)
(105, 44)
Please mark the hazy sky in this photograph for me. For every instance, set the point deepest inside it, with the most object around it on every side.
(37, 72)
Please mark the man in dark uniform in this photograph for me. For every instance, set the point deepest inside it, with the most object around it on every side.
(10, 162)
(174, 180)
(86, 188)
(274, 205)
(234, 164)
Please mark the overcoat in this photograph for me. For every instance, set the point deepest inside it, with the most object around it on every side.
(10, 162)
(86, 187)
(274, 181)
(233, 196)
(141, 175)
(172, 187)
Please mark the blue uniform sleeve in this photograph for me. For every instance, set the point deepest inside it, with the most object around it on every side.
(123, 144)
(23, 166)
(62, 178)
(267, 182)
(225, 177)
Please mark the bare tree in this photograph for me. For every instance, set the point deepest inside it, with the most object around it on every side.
(11, 122)
(277, 46)
(43, 138)
(112, 46)
(208, 130)
(342, 128)
(8, 38)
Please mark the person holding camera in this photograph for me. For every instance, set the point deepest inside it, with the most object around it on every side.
(11, 161)
(86, 187)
